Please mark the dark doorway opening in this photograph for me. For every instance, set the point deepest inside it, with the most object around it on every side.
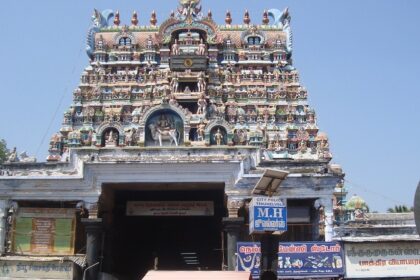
(188, 87)
(137, 244)
(191, 106)
(301, 219)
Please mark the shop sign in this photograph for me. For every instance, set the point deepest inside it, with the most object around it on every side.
(13, 269)
(310, 259)
(170, 208)
(267, 214)
(249, 258)
(381, 259)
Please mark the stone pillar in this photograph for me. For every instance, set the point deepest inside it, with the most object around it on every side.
(317, 222)
(329, 224)
(233, 206)
(3, 215)
(327, 203)
(93, 229)
(232, 226)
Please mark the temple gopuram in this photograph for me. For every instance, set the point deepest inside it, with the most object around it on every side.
(170, 129)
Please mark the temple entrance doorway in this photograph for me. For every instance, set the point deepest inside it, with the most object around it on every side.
(162, 226)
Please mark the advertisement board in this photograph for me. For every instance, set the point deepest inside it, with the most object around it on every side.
(249, 258)
(310, 259)
(382, 259)
(170, 208)
(267, 214)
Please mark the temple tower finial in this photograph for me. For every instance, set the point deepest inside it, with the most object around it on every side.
(228, 18)
(117, 18)
(265, 20)
(247, 19)
(134, 19)
(153, 19)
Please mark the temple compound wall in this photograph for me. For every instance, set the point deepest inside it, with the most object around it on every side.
(170, 129)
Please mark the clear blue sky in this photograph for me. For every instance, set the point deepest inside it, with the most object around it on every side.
(358, 59)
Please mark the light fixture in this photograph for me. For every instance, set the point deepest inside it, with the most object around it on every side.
(269, 182)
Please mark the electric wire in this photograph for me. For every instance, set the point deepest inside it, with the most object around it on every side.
(366, 190)
(58, 107)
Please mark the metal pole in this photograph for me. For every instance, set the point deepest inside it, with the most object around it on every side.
(267, 255)
(269, 244)
(84, 272)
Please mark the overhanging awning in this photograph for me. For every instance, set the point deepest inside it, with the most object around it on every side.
(197, 275)
(269, 182)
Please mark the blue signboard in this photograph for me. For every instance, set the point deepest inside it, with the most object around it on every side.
(249, 258)
(310, 259)
(267, 214)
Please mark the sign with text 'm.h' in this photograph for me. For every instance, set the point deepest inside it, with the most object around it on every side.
(267, 214)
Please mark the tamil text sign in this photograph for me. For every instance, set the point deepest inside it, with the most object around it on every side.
(382, 259)
(249, 258)
(310, 259)
(13, 269)
(170, 208)
(267, 214)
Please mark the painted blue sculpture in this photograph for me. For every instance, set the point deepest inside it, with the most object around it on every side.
(99, 20)
(282, 19)
(275, 15)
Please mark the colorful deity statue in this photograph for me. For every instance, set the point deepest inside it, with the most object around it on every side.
(202, 104)
(218, 137)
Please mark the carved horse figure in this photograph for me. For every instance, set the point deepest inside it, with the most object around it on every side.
(159, 134)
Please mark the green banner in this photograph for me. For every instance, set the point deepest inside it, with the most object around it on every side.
(62, 244)
(63, 226)
(22, 243)
(23, 235)
(23, 226)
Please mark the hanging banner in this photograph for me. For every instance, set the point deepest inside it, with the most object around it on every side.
(249, 258)
(382, 259)
(170, 208)
(310, 259)
(267, 214)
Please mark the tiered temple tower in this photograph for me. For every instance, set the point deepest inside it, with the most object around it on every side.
(170, 114)
(191, 82)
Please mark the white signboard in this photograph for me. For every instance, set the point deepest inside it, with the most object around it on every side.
(35, 270)
(392, 259)
(170, 208)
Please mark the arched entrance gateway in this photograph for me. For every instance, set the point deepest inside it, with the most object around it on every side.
(165, 215)
(163, 226)
(170, 130)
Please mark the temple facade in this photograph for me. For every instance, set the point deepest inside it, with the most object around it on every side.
(170, 129)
